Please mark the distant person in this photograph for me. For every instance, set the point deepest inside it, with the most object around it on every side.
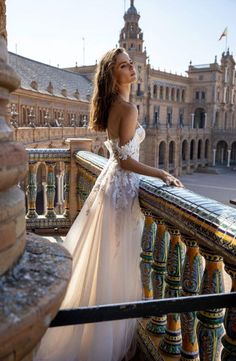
(105, 239)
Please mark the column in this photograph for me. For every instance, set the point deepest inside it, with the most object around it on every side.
(157, 325)
(192, 119)
(149, 234)
(51, 187)
(172, 340)
(229, 339)
(66, 190)
(45, 203)
(229, 155)
(210, 327)
(205, 125)
(214, 158)
(191, 281)
(32, 190)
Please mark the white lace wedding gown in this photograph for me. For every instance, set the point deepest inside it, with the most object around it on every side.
(105, 243)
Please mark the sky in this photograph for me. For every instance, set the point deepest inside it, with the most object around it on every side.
(63, 32)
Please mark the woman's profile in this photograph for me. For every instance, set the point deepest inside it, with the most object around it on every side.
(106, 236)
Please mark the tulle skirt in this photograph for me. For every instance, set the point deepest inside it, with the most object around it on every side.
(105, 242)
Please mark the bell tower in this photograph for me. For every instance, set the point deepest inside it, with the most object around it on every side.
(131, 38)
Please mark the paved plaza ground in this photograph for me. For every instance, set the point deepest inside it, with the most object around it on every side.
(221, 186)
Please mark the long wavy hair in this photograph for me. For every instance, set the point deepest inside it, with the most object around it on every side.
(105, 90)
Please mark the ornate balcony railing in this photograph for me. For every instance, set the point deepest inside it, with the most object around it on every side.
(55, 165)
(184, 234)
(183, 231)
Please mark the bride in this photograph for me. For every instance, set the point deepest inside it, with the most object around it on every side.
(106, 236)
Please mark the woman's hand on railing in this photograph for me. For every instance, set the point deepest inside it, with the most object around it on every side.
(170, 180)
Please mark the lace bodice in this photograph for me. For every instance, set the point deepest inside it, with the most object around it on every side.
(130, 149)
(120, 185)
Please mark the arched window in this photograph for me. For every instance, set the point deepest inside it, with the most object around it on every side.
(199, 118)
(155, 91)
(161, 92)
(184, 150)
(192, 147)
(167, 93)
(162, 153)
(171, 152)
(199, 149)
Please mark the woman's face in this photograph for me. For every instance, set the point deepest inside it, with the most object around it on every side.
(124, 71)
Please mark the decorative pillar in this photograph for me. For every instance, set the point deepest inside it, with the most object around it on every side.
(157, 325)
(45, 203)
(191, 281)
(205, 125)
(149, 233)
(32, 190)
(66, 190)
(229, 339)
(60, 191)
(51, 187)
(214, 158)
(210, 327)
(192, 119)
(229, 155)
(172, 340)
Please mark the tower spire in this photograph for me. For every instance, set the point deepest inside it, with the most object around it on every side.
(131, 2)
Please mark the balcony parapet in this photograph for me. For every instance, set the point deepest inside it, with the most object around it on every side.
(210, 221)
(181, 229)
(52, 218)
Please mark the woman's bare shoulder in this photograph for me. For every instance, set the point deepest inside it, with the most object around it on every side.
(127, 109)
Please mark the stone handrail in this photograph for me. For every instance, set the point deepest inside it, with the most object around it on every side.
(183, 231)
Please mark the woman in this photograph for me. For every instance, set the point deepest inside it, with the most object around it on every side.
(105, 238)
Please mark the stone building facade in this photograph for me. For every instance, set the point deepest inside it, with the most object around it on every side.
(190, 120)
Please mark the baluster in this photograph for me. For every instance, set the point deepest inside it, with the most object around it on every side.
(147, 256)
(80, 182)
(32, 190)
(229, 339)
(157, 325)
(210, 328)
(171, 341)
(51, 187)
(191, 281)
(66, 190)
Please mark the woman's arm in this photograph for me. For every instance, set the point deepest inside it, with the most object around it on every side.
(127, 128)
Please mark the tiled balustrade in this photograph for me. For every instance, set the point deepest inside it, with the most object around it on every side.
(183, 234)
(53, 160)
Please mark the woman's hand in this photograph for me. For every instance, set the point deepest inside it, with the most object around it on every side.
(170, 180)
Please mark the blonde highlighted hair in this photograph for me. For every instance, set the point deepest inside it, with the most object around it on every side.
(105, 91)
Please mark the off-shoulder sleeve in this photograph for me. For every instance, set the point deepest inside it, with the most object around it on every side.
(126, 151)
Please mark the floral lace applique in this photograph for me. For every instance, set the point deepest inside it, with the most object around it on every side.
(130, 149)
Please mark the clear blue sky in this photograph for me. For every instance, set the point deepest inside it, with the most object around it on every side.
(175, 31)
